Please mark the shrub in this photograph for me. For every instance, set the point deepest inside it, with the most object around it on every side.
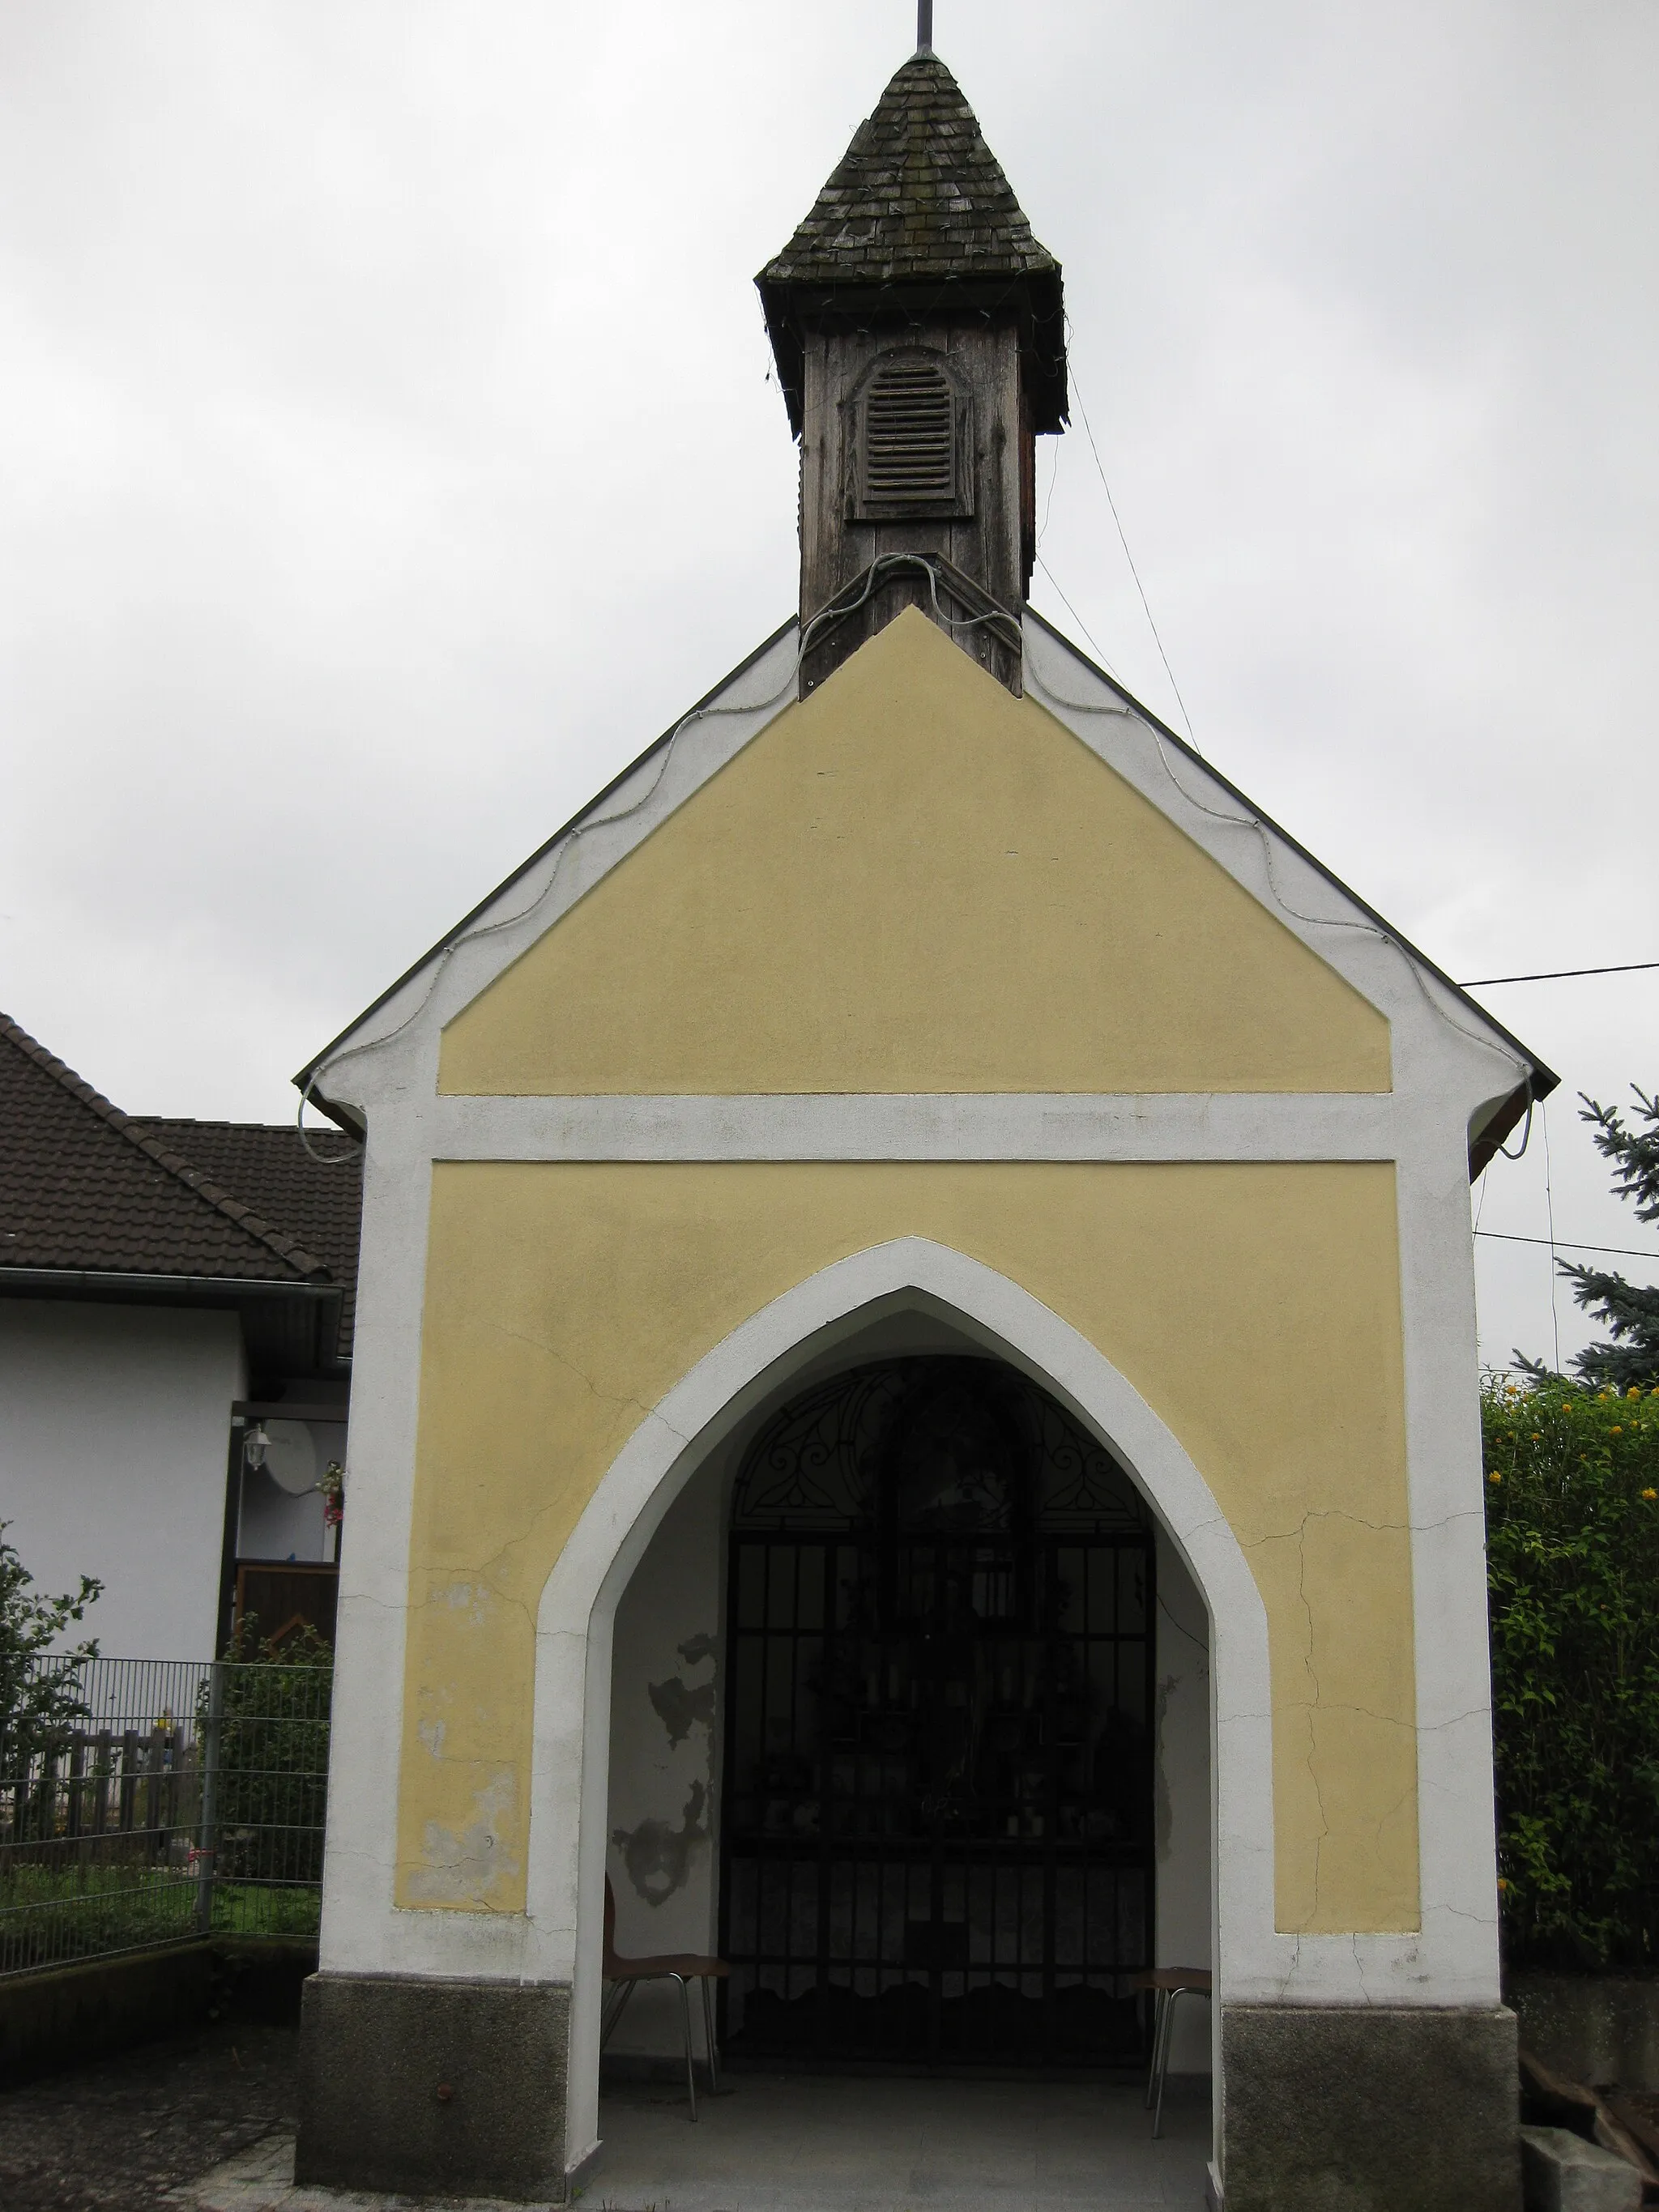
(1572, 1533)
(40, 1706)
(272, 1767)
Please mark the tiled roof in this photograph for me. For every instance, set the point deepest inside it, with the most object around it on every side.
(84, 1188)
(318, 1194)
(918, 196)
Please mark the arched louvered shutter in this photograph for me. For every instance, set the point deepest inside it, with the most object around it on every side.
(910, 439)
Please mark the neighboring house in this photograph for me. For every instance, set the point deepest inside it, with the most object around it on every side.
(175, 1348)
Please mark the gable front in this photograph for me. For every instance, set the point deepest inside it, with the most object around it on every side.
(911, 882)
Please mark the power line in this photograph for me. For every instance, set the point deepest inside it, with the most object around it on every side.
(1073, 613)
(1557, 974)
(1625, 1251)
(1123, 541)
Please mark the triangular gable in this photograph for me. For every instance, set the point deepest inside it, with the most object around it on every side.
(577, 1013)
(913, 882)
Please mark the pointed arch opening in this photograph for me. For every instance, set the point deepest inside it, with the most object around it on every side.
(679, 1476)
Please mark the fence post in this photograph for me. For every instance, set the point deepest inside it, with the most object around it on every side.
(208, 1845)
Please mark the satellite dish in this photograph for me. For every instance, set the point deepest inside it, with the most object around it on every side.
(291, 1456)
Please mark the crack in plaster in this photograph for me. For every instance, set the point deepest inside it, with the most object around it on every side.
(605, 1397)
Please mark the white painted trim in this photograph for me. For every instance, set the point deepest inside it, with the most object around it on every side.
(1328, 919)
(998, 1126)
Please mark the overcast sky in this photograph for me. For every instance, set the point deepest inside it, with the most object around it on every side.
(389, 453)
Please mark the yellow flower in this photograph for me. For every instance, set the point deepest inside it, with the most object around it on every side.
(1501, 1885)
(1615, 1431)
(1650, 1495)
(1494, 1476)
(1537, 1436)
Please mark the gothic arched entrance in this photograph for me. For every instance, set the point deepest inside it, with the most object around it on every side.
(937, 1841)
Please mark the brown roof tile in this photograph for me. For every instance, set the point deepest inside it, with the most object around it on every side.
(82, 1188)
(319, 1194)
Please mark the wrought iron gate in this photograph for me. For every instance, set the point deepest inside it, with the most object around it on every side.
(937, 1834)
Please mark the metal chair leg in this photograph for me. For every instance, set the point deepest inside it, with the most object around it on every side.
(1163, 2059)
(690, 2068)
(615, 2006)
(1160, 2014)
(708, 2031)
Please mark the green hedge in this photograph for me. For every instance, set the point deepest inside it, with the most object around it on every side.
(1572, 1532)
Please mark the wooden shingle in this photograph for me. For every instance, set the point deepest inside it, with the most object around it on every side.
(918, 215)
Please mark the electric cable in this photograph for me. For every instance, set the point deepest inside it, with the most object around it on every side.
(1566, 1243)
(1556, 974)
(1122, 538)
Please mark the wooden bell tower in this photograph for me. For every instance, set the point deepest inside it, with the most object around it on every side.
(919, 338)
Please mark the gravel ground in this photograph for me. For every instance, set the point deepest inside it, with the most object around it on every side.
(116, 2135)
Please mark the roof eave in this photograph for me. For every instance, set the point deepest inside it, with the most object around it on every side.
(1033, 296)
(141, 1285)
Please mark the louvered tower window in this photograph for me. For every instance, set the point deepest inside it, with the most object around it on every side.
(910, 441)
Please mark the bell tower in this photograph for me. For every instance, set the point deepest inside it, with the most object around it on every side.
(919, 338)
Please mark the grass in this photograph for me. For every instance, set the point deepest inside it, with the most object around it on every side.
(49, 1914)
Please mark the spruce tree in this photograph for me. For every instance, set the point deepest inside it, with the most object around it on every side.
(1629, 1360)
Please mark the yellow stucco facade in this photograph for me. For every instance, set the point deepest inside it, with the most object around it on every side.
(913, 882)
(565, 1299)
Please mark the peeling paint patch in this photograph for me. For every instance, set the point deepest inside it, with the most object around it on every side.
(432, 1734)
(658, 1858)
(472, 1598)
(696, 1649)
(680, 1710)
(462, 1867)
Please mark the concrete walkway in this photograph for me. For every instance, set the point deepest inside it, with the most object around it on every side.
(849, 2143)
(816, 2143)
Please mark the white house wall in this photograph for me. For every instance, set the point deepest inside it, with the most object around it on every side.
(114, 1429)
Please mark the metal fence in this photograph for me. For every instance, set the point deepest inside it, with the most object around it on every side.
(146, 1801)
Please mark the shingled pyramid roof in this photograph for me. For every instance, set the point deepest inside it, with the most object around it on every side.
(919, 202)
(918, 196)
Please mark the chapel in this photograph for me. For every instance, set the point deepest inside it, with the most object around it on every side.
(914, 1429)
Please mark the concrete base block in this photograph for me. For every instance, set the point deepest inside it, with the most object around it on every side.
(1562, 2173)
(1392, 2109)
(433, 2088)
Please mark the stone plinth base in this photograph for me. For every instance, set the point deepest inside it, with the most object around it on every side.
(1381, 2109)
(433, 2088)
